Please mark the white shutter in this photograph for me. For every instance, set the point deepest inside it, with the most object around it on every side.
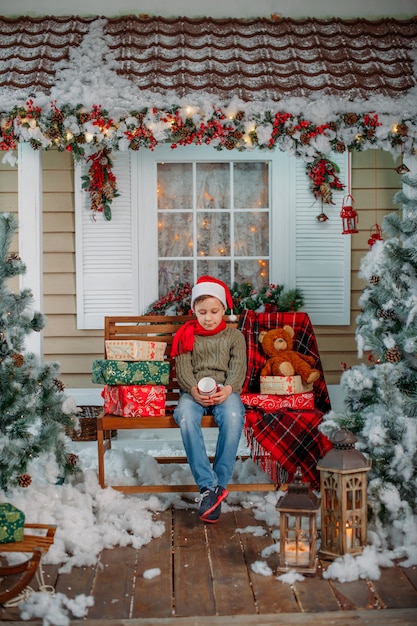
(322, 253)
(106, 251)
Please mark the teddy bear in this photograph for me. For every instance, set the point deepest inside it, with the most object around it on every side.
(283, 360)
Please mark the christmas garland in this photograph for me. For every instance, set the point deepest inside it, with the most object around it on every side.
(92, 134)
(273, 297)
(100, 183)
(323, 178)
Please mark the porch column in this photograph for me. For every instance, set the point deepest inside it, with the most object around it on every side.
(31, 232)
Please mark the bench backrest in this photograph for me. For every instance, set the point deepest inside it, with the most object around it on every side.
(157, 328)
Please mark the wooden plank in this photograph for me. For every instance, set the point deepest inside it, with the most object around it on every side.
(356, 594)
(80, 580)
(270, 595)
(154, 597)
(393, 617)
(114, 583)
(411, 573)
(231, 582)
(193, 590)
(395, 589)
(315, 595)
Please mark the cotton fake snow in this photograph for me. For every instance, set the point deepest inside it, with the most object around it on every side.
(291, 577)
(262, 568)
(152, 573)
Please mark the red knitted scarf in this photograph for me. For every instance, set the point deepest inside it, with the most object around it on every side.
(184, 337)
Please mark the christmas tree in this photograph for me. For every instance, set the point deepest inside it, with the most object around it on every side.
(32, 402)
(381, 395)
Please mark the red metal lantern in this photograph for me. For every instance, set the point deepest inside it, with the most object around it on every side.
(349, 216)
(375, 235)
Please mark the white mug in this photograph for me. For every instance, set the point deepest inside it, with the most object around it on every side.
(207, 386)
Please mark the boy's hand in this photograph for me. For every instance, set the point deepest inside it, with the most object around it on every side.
(216, 398)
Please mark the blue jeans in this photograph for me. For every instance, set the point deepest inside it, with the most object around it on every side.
(229, 417)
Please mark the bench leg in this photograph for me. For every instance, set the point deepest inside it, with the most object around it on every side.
(101, 449)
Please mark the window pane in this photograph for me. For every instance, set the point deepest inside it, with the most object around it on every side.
(251, 233)
(251, 188)
(255, 272)
(213, 185)
(219, 269)
(213, 219)
(171, 272)
(175, 185)
(175, 234)
(213, 234)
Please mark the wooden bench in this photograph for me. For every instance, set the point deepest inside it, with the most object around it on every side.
(157, 328)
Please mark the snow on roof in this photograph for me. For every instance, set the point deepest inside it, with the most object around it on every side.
(253, 60)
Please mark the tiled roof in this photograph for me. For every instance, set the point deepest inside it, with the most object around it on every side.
(255, 60)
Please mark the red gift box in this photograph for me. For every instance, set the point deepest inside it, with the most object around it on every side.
(271, 402)
(134, 400)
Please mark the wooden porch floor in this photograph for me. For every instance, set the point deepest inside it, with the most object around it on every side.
(206, 578)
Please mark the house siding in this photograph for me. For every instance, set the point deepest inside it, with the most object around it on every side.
(374, 183)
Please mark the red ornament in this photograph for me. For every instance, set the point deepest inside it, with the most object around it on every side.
(375, 235)
(349, 216)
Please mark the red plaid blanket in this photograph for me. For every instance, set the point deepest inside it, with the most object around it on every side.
(251, 324)
(283, 440)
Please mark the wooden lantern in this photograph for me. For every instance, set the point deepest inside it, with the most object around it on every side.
(343, 490)
(349, 216)
(298, 527)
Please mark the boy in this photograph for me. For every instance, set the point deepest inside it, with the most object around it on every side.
(206, 347)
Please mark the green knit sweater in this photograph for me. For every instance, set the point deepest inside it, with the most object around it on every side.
(221, 356)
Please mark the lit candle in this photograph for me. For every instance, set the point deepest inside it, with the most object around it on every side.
(349, 537)
(297, 554)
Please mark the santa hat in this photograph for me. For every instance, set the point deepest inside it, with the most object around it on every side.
(209, 286)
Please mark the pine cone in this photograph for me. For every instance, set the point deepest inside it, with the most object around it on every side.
(305, 139)
(108, 191)
(84, 117)
(386, 315)
(340, 147)
(239, 116)
(229, 144)
(134, 144)
(18, 359)
(350, 118)
(402, 129)
(53, 133)
(326, 193)
(72, 459)
(140, 117)
(237, 134)
(24, 480)
(57, 117)
(59, 384)
(393, 355)
(13, 257)
(374, 280)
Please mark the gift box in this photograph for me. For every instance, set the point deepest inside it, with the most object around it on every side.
(132, 350)
(134, 400)
(113, 372)
(283, 385)
(274, 402)
(12, 522)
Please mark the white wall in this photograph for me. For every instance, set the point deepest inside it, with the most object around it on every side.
(215, 8)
